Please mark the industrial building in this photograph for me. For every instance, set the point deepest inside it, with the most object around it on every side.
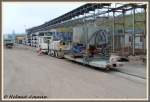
(20, 39)
(99, 29)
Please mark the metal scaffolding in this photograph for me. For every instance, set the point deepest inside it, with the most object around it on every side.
(113, 21)
(116, 21)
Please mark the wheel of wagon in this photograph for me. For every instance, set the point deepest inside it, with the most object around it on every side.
(49, 53)
(107, 68)
(52, 53)
(60, 54)
(56, 54)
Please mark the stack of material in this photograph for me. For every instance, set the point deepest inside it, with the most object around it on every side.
(115, 57)
(138, 59)
(134, 58)
(78, 50)
(143, 58)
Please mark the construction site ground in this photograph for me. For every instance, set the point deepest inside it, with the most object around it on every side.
(27, 73)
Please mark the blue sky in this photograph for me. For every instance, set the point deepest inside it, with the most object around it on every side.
(19, 16)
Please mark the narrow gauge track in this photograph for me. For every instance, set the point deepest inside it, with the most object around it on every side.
(131, 74)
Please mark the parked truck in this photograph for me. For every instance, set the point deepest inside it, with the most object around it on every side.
(54, 47)
(8, 43)
(43, 43)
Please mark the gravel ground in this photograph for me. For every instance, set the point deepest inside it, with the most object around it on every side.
(26, 73)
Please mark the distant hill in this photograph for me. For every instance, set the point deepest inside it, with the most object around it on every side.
(108, 23)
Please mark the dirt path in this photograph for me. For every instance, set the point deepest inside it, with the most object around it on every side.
(26, 73)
